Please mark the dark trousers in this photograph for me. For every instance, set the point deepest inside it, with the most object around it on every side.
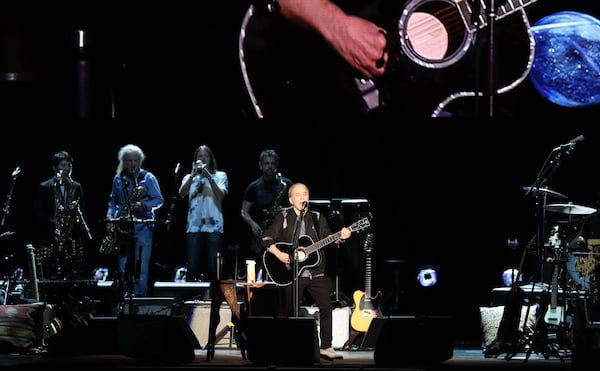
(201, 249)
(320, 290)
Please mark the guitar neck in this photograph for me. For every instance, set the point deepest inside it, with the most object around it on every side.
(321, 243)
(554, 288)
(356, 226)
(503, 10)
(368, 276)
(368, 249)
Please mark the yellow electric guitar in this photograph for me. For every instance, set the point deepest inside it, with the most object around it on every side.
(366, 307)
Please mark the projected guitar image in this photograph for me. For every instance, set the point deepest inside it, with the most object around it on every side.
(431, 44)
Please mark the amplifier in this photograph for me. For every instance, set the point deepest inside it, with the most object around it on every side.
(188, 291)
(183, 291)
(532, 294)
(197, 315)
(103, 294)
(341, 324)
(155, 306)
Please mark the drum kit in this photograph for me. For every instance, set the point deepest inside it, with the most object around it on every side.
(577, 251)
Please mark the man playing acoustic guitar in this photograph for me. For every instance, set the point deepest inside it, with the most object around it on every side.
(279, 253)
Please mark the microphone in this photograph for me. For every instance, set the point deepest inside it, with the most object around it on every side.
(59, 176)
(177, 168)
(16, 172)
(199, 166)
(571, 143)
(304, 205)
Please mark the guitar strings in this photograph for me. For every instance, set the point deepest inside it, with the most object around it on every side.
(431, 33)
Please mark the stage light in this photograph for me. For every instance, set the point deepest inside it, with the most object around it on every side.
(180, 273)
(511, 275)
(100, 273)
(427, 276)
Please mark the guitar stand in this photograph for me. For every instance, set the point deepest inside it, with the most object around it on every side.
(348, 344)
(560, 345)
(540, 342)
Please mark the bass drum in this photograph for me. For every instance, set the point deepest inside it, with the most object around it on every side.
(580, 276)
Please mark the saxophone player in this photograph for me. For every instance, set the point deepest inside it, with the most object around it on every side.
(61, 228)
(135, 196)
(262, 198)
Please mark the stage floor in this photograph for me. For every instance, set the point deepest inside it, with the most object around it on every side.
(226, 358)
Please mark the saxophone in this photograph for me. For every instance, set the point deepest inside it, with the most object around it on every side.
(137, 194)
(275, 207)
(65, 210)
(109, 241)
(276, 204)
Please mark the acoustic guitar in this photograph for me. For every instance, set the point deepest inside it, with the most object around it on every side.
(366, 307)
(308, 254)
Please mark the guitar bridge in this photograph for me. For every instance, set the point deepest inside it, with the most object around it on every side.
(368, 92)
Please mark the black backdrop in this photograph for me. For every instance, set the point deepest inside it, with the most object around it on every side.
(447, 192)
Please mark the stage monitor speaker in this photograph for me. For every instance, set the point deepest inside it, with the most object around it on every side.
(586, 333)
(156, 337)
(370, 338)
(413, 340)
(282, 341)
(148, 339)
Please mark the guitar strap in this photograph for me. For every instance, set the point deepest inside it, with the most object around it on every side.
(141, 176)
(315, 218)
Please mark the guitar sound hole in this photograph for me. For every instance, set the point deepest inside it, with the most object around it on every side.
(433, 34)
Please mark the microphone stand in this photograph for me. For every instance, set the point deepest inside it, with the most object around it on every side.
(5, 211)
(296, 244)
(551, 164)
(129, 267)
(492, 92)
(6, 208)
(173, 197)
(83, 222)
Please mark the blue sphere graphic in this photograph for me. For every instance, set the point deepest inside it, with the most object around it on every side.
(566, 66)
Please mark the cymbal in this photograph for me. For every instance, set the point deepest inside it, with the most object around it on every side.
(571, 209)
(546, 191)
